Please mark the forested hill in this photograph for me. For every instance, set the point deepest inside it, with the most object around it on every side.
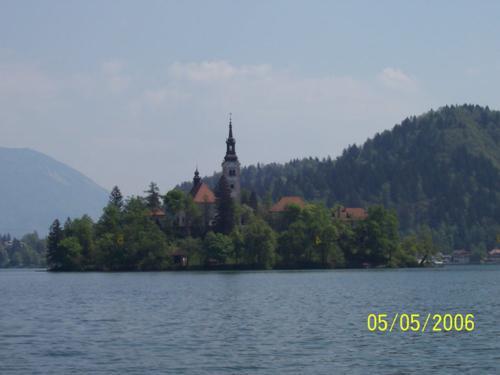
(440, 169)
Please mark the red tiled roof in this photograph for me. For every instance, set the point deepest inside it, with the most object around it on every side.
(286, 201)
(157, 212)
(352, 213)
(201, 193)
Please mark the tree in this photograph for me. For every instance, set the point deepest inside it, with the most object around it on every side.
(378, 236)
(292, 244)
(426, 248)
(179, 204)
(144, 246)
(71, 254)
(83, 230)
(54, 253)
(174, 201)
(259, 244)
(225, 218)
(153, 196)
(217, 248)
(4, 257)
(253, 202)
(116, 198)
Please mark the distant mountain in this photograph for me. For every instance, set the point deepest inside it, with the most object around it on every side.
(440, 169)
(35, 189)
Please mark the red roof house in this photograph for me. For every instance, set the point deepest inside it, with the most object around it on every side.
(284, 202)
(351, 213)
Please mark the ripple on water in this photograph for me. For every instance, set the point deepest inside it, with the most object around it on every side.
(310, 322)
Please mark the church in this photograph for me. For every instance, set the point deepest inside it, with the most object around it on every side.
(201, 193)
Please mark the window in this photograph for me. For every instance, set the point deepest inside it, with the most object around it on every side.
(232, 186)
(232, 172)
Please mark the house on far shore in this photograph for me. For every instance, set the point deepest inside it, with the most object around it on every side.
(493, 256)
(350, 214)
(180, 258)
(460, 257)
(157, 215)
(284, 202)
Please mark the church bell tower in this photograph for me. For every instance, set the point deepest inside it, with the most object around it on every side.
(231, 165)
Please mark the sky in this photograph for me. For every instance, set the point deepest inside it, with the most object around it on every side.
(129, 92)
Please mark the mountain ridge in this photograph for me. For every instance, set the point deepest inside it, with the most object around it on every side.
(37, 188)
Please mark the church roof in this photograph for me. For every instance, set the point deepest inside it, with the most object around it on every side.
(286, 201)
(201, 193)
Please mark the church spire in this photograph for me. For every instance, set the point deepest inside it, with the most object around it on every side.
(196, 178)
(230, 126)
(230, 143)
(231, 165)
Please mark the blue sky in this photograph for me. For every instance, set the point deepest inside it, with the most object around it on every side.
(129, 92)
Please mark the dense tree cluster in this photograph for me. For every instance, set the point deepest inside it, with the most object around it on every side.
(130, 235)
(29, 251)
(440, 170)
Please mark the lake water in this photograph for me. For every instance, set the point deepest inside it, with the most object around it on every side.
(304, 322)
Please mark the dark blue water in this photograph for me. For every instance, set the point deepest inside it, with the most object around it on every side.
(310, 322)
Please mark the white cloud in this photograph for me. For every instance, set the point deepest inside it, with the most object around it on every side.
(396, 79)
(209, 71)
(25, 80)
(160, 131)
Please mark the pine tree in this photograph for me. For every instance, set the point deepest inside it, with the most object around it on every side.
(253, 201)
(116, 197)
(225, 218)
(153, 196)
(54, 256)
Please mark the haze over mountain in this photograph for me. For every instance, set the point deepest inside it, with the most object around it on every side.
(440, 169)
(35, 189)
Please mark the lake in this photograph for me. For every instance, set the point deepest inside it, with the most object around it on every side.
(293, 322)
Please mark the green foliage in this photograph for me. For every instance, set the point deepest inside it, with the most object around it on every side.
(193, 248)
(441, 169)
(153, 196)
(54, 253)
(178, 204)
(257, 244)
(310, 238)
(124, 238)
(377, 237)
(225, 219)
(4, 257)
(116, 197)
(217, 248)
(83, 230)
(253, 201)
(71, 254)
(28, 251)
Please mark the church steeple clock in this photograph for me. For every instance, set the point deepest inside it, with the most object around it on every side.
(231, 165)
